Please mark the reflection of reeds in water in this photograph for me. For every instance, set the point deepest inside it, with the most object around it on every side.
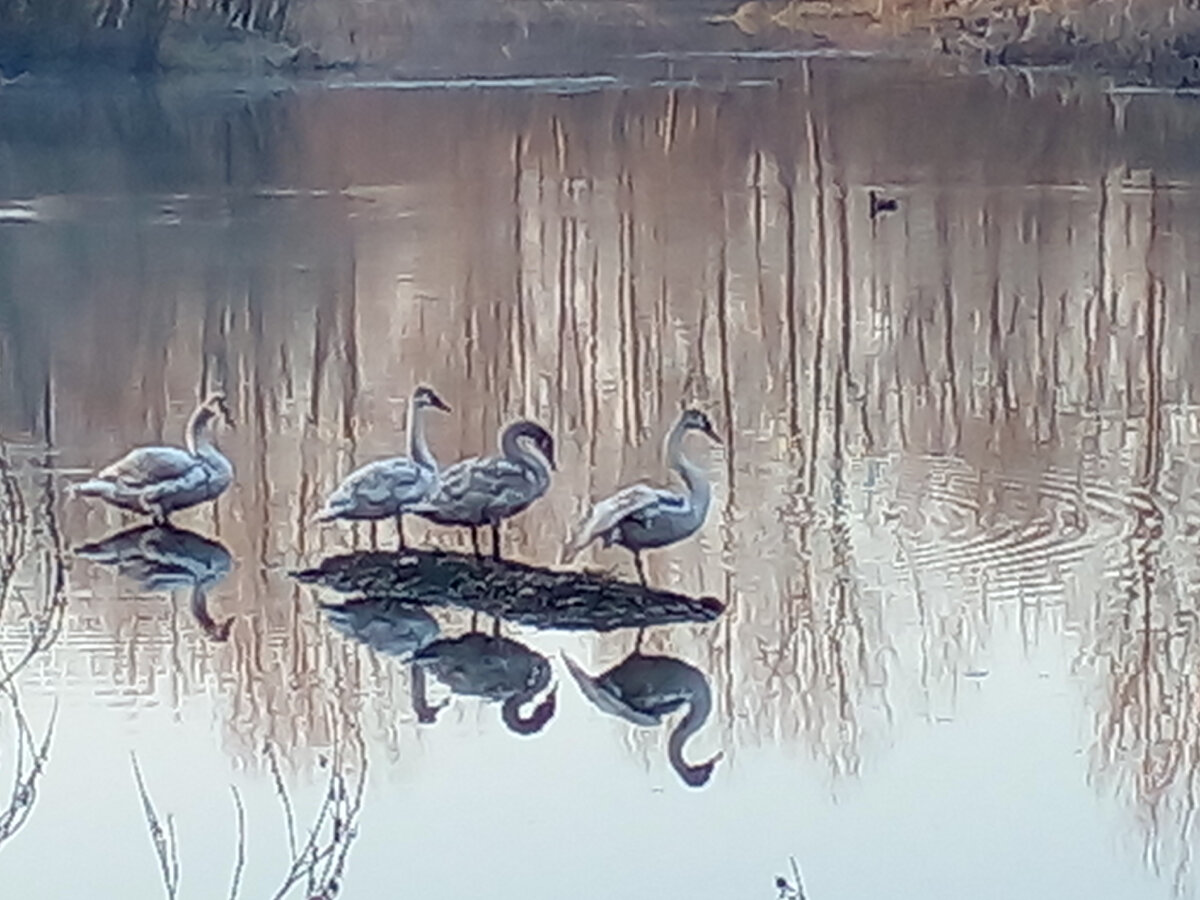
(926, 413)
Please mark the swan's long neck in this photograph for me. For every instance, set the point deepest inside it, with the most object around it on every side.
(697, 714)
(418, 448)
(513, 448)
(699, 490)
(199, 432)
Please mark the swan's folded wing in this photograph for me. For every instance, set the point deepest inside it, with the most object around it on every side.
(497, 479)
(395, 479)
(149, 465)
(609, 512)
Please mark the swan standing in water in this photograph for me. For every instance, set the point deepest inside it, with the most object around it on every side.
(388, 488)
(641, 517)
(157, 481)
(645, 689)
(485, 491)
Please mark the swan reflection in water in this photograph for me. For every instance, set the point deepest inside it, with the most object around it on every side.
(166, 558)
(492, 667)
(385, 624)
(644, 690)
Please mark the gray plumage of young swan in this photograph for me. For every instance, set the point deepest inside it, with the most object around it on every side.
(644, 690)
(641, 517)
(487, 490)
(388, 488)
(157, 481)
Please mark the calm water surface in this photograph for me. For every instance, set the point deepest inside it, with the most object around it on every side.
(955, 517)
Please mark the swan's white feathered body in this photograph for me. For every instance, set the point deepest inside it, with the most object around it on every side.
(641, 517)
(387, 488)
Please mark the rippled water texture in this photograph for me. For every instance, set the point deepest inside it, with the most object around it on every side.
(954, 522)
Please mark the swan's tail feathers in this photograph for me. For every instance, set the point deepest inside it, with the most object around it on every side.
(328, 512)
(95, 487)
(576, 544)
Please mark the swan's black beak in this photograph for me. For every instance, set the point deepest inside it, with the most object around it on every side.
(711, 433)
(438, 403)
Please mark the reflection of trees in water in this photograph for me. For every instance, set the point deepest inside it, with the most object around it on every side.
(930, 412)
(1141, 637)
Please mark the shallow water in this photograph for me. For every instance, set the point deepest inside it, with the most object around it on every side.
(954, 519)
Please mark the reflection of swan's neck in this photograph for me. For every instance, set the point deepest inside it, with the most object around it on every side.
(217, 631)
(697, 713)
(418, 449)
(510, 711)
(425, 713)
(699, 491)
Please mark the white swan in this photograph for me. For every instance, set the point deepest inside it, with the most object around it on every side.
(641, 517)
(158, 481)
(388, 488)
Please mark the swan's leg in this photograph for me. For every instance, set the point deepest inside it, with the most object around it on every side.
(637, 561)
(400, 532)
(637, 644)
(496, 540)
(474, 620)
(374, 535)
(495, 626)
(475, 539)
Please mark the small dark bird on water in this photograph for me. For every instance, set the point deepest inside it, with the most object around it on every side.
(881, 204)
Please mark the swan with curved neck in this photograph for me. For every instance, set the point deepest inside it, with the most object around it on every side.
(158, 481)
(486, 491)
(644, 690)
(641, 517)
(488, 666)
(388, 488)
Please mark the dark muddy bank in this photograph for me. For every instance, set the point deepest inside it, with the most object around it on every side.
(1148, 42)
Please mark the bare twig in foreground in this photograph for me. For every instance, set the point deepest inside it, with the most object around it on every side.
(321, 861)
(165, 846)
(789, 890)
(317, 864)
(29, 758)
(240, 862)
